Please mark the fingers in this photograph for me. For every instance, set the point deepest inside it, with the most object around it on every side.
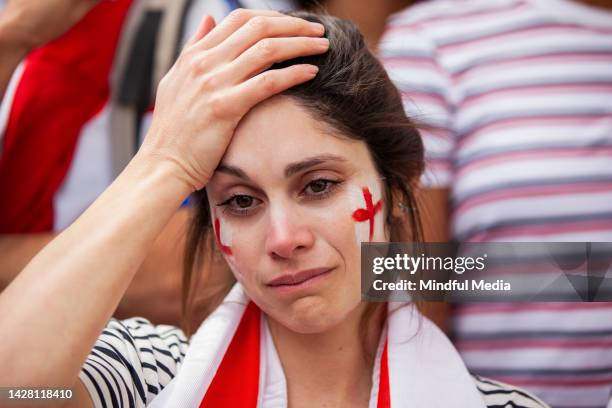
(233, 22)
(206, 25)
(261, 27)
(271, 50)
(267, 84)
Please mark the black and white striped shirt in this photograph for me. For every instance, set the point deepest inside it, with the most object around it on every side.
(133, 360)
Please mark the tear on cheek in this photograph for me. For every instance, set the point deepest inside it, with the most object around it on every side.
(366, 213)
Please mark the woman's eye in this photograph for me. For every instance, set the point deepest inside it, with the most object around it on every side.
(240, 204)
(320, 188)
(243, 201)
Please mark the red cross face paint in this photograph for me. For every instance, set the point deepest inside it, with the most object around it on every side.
(367, 212)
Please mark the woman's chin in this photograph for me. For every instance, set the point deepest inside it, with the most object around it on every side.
(310, 315)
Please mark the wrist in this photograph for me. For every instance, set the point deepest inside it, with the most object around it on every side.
(153, 169)
(154, 152)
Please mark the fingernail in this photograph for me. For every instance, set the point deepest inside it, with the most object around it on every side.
(313, 69)
(322, 42)
(319, 28)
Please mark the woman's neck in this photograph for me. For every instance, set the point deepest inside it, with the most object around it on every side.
(330, 368)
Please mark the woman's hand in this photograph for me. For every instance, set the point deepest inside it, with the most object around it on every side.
(217, 79)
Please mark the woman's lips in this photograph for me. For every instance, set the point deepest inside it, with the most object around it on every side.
(298, 278)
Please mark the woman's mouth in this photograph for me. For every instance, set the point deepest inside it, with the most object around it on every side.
(291, 282)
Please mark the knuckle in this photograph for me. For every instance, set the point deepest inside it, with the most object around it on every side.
(265, 49)
(268, 82)
(194, 66)
(218, 107)
(258, 25)
(239, 16)
(209, 82)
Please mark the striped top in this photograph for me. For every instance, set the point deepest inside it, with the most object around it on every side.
(133, 360)
(517, 96)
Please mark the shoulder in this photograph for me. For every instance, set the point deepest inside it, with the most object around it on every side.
(497, 394)
(448, 11)
(140, 328)
(132, 361)
(444, 22)
(419, 30)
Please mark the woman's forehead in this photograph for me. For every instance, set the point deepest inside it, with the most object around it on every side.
(279, 132)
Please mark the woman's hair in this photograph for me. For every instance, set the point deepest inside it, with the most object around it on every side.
(352, 94)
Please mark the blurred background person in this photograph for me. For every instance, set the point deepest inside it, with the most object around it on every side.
(517, 96)
(369, 16)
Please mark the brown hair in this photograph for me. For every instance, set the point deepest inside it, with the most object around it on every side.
(353, 94)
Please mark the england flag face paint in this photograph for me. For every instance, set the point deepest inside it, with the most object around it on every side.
(367, 210)
(222, 237)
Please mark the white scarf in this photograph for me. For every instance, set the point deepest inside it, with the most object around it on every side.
(424, 369)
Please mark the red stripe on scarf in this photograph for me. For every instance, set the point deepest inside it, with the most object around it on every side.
(64, 85)
(384, 393)
(236, 383)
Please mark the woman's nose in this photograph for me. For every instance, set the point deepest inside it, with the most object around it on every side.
(287, 234)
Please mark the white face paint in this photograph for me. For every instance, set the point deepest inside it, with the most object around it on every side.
(223, 234)
(223, 238)
(366, 207)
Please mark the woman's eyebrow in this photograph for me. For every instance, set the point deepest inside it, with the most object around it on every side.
(290, 169)
(232, 170)
(309, 162)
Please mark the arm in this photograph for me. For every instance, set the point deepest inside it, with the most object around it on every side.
(77, 280)
(17, 250)
(80, 292)
(27, 24)
(157, 277)
(11, 52)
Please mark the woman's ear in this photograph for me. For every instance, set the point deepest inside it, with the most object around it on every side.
(398, 206)
(403, 212)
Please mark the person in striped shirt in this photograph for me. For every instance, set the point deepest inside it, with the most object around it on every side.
(287, 187)
(516, 96)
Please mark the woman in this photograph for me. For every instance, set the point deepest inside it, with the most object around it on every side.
(293, 184)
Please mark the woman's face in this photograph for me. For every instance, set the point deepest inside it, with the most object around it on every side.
(290, 205)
